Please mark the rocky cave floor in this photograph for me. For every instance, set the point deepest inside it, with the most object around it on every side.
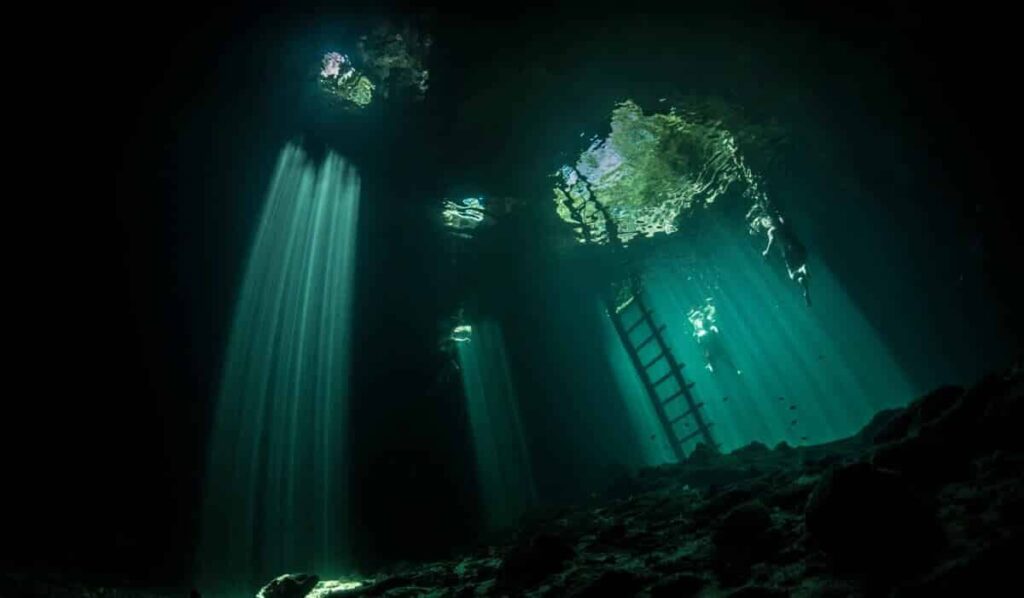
(924, 501)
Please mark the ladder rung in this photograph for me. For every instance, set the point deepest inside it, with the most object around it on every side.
(654, 333)
(693, 435)
(686, 413)
(655, 360)
(633, 327)
(674, 396)
(662, 379)
(651, 338)
(677, 394)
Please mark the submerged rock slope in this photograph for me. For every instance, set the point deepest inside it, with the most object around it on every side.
(924, 501)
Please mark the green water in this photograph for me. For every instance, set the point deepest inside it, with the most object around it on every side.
(275, 496)
(782, 371)
(503, 465)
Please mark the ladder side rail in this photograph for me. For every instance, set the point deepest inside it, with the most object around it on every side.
(676, 371)
(652, 394)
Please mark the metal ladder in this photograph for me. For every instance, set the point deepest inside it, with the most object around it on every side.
(635, 307)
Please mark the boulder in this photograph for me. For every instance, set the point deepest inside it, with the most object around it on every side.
(683, 585)
(756, 591)
(722, 502)
(530, 563)
(742, 538)
(614, 582)
(869, 520)
(289, 585)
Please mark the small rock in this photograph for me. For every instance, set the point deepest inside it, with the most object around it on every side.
(289, 585)
(616, 582)
(612, 534)
(905, 423)
(722, 502)
(937, 402)
(755, 591)
(678, 586)
(702, 454)
(746, 520)
(783, 448)
(754, 449)
(791, 497)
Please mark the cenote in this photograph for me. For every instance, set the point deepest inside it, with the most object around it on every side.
(582, 301)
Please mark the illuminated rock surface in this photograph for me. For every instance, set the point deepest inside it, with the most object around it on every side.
(292, 585)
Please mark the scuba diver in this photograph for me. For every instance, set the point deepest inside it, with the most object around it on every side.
(705, 330)
(760, 219)
(454, 330)
(794, 254)
(764, 217)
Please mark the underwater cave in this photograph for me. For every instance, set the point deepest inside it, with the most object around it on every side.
(581, 301)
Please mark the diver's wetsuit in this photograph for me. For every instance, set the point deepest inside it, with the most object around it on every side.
(794, 254)
(716, 357)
